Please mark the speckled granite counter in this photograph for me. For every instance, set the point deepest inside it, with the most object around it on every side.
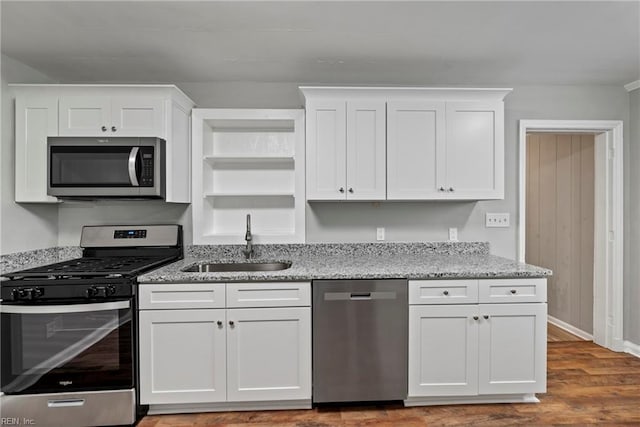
(29, 259)
(350, 261)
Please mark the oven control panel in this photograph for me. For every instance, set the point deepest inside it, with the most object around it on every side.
(130, 234)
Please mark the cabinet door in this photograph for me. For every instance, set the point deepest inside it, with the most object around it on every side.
(137, 116)
(512, 348)
(326, 150)
(85, 116)
(366, 150)
(443, 349)
(415, 150)
(268, 354)
(182, 356)
(475, 150)
(36, 119)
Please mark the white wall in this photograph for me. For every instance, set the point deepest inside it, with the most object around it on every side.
(22, 226)
(73, 215)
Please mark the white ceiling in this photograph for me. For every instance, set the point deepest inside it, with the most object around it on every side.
(325, 42)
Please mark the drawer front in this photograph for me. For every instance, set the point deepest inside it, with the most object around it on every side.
(177, 296)
(512, 290)
(269, 294)
(443, 291)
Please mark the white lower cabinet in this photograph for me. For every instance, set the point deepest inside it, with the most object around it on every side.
(443, 350)
(225, 356)
(268, 354)
(472, 351)
(182, 356)
(512, 352)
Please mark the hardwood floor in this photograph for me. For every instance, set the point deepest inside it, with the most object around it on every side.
(587, 385)
(556, 334)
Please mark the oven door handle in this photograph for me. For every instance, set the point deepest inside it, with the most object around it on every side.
(133, 157)
(71, 308)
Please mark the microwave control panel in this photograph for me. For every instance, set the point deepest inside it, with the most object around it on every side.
(146, 178)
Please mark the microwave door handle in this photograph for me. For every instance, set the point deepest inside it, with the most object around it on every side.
(133, 156)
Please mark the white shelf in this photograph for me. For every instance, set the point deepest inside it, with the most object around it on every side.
(248, 161)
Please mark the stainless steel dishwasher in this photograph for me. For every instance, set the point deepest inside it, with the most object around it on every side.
(360, 330)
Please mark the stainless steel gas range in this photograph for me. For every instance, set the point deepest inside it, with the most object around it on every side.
(68, 331)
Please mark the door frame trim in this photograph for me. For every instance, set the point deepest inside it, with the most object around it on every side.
(608, 302)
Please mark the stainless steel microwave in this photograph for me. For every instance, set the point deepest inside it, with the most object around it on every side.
(120, 167)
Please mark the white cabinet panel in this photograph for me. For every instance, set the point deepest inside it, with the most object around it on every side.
(512, 290)
(85, 116)
(475, 150)
(138, 116)
(326, 150)
(182, 356)
(269, 354)
(366, 150)
(512, 351)
(443, 347)
(443, 291)
(112, 116)
(415, 150)
(269, 294)
(36, 119)
(176, 296)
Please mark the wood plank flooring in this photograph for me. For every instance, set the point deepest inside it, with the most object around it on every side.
(587, 385)
(556, 334)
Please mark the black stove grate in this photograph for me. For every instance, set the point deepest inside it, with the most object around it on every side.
(93, 267)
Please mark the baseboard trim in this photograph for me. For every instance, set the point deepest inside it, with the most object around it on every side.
(228, 406)
(455, 400)
(631, 348)
(570, 328)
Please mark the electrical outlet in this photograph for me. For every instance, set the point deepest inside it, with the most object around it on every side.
(453, 234)
(497, 220)
(380, 233)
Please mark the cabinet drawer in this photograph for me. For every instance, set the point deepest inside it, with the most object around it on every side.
(443, 291)
(176, 296)
(512, 290)
(269, 294)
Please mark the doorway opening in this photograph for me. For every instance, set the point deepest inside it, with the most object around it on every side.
(560, 208)
(606, 273)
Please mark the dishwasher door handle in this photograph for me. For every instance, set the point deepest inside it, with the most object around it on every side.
(359, 296)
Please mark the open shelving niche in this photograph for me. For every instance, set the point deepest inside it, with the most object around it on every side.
(248, 161)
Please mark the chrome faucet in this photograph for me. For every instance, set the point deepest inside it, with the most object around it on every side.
(248, 251)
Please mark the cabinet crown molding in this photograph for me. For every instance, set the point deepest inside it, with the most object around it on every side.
(433, 93)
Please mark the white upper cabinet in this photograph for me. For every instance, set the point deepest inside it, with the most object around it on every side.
(36, 118)
(475, 150)
(103, 110)
(346, 150)
(439, 143)
(326, 150)
(366, 150)
(415, 150)
(112, 116)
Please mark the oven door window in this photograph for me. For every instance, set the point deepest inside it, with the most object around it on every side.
(89, 166)
(74, 347)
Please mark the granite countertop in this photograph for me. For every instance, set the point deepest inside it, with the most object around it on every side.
(443, 260)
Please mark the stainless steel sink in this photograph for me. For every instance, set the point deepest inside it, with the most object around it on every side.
(237, 266)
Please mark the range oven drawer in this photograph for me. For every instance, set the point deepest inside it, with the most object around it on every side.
(104, 408)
